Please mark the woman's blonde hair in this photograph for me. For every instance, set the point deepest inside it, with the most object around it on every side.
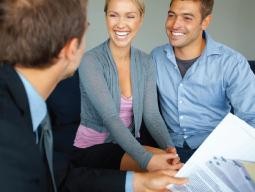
(139, 3)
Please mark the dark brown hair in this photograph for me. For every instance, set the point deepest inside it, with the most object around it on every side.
(206, 7)
(33, 32)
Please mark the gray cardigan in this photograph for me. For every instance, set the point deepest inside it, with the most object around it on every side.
(100, 100)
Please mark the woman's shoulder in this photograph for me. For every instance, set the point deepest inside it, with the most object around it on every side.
(142, 56)
(143, 61)
(96, 51)
(97, 54)
(140, 52)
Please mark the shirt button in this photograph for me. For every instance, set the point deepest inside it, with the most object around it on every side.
(181, 85)
(184, 129)
(185, 136)
(181, 102)
(181, 117)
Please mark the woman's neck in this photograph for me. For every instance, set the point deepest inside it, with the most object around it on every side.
(120, 54)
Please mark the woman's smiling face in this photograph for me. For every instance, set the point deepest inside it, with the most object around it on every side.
(123, 21)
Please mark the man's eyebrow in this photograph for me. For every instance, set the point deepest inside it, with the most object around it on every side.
(184, 14)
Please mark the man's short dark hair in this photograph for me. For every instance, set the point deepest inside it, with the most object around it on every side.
(206, 7)
(33, 32)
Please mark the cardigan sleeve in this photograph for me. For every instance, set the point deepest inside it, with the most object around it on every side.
(95, 86)
(151, 115)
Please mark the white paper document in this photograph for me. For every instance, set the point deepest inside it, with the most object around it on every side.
(225, 162)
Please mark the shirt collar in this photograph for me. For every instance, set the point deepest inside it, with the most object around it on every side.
(212, 48)
(37, 104)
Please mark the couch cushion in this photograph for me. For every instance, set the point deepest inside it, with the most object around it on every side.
(252, 64)
(64, 103)
(64, 109)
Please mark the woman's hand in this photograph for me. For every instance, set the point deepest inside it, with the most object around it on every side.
(162, 161)
(176, 160)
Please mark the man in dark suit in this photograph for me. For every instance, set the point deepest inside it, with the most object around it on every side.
(41, 44)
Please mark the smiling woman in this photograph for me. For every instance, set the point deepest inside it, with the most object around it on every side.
(123, 20)
(118, 90)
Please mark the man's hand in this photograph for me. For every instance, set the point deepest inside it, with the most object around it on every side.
(156, 181)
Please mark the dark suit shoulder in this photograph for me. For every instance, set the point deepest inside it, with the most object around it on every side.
(21, 165)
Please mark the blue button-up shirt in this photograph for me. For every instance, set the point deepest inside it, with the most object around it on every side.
(37, 105)
(194, 105)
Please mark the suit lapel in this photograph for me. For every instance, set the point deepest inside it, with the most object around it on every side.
(16, 89)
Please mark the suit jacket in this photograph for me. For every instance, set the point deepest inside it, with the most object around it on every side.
(21, 165)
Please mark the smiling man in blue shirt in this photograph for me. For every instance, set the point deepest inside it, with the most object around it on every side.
(198, 78)
(42, 43)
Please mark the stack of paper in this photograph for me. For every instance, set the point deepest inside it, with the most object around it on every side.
(225, 162)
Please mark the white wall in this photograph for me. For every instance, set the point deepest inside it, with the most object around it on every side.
(233, 24)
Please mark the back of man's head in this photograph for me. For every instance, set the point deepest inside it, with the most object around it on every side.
(33, 32)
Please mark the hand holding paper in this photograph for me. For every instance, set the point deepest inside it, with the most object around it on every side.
(219, 163)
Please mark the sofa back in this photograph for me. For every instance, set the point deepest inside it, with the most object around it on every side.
(252, 65)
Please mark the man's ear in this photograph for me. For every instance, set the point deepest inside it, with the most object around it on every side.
(206, 22)
(69, 50)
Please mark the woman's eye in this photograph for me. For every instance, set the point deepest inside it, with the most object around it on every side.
(170, 14)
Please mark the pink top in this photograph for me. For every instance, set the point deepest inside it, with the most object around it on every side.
(86, 137)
